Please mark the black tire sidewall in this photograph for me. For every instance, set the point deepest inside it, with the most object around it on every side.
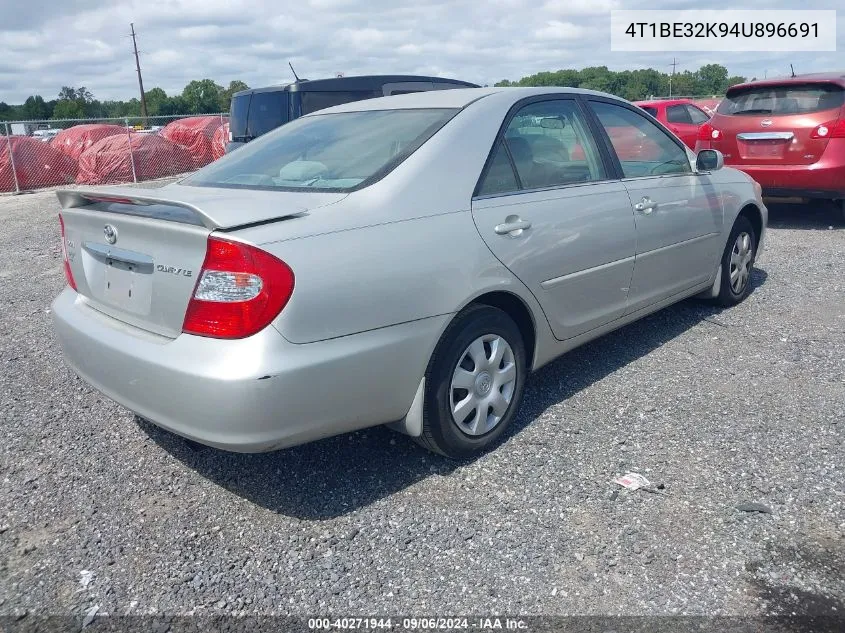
(727, 295)
(438, 425)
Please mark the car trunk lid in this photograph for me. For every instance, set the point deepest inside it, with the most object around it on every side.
(135, 254)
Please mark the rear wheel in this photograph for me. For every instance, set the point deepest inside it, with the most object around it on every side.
(737, 263)
(474, 383)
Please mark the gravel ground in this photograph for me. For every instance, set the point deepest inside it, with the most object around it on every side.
(721, 407)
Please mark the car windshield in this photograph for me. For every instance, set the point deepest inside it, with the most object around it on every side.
(326, 152)
(784, 99)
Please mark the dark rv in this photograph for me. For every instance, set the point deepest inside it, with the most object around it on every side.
(257, 111)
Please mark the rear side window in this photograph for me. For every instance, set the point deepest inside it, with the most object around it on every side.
(313, 101)
(550, 146)
(678, 114)
(650, 110)
(267, 111)
(785, 99)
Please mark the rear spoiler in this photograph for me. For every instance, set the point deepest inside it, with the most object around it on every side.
(149, 206)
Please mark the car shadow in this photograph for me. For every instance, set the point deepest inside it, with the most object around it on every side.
(780, 579)
(818, 215)
(335, 476)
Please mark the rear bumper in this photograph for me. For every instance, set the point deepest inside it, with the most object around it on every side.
(249, 395)
(822, 179)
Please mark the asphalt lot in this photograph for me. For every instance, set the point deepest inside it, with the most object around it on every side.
(721, 407)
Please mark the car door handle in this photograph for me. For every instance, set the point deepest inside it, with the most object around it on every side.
(512, 225)
(646, 206)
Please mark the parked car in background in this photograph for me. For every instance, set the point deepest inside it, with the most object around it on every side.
(788, 134)
(258, 110)
(682, 116)
(404, 260)
(45, 135)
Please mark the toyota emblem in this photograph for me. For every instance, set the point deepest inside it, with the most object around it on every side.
(766, 122)
(111, 233)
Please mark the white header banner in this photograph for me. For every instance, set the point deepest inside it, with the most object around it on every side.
(723, 30)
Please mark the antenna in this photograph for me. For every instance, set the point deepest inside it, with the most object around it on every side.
(293, 71)
(792, 69)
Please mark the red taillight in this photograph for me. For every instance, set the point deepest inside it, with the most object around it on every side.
(68, 273)
(831, 129)
(707, 132)
(239, 291)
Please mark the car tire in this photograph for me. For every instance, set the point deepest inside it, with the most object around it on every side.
(738, 258)
(486, 345)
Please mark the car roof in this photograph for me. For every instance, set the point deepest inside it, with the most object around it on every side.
(828, 77)
(361, 82)
(457, 98)
(663, 102)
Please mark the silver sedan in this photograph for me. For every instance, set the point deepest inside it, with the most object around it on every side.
(403, 261)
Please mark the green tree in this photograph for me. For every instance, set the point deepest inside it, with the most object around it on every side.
(226, 95)
(202, 96)
(155, 98)
(67, 109)
(34, 108)
(735, 79)
(173, 105)
(713, 79)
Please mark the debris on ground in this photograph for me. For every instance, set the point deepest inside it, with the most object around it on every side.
(750, 506)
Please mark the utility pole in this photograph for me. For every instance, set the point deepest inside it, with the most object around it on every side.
(140, 81)
(674, 63)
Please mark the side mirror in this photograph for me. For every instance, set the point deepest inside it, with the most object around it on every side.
(709, 160)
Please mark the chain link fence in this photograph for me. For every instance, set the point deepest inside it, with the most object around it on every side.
(61, 152)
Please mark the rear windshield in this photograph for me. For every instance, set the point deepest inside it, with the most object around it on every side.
(650, 110)
(330, 152)
(786, 99)
(313, 101)
(238, 114)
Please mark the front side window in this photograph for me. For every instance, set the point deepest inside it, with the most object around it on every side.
(549, 145)
(643, 149)
(330, 152)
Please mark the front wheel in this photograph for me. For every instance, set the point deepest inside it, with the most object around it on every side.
(737, 263)
(474, 383)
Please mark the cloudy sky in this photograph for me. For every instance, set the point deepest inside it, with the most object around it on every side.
(46, 44)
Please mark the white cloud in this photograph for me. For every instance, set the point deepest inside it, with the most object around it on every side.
(557, 30)
(57, 43)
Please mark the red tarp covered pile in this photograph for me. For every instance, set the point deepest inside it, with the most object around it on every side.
(36, 164)
(220, 140)
(108, 160)
(75, 140)
(195, 133)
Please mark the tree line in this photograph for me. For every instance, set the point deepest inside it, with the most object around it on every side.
(709, 80)
(201, 96)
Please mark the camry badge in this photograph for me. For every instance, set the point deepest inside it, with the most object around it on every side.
(766, 122)
(111, 233)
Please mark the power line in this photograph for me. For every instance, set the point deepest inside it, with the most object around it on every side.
(138, 67)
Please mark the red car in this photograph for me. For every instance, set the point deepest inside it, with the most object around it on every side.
(788, 134)
(681, 116)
